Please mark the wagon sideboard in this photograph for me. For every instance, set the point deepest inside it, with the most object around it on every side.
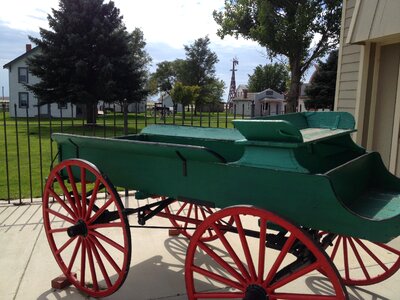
(304, 167)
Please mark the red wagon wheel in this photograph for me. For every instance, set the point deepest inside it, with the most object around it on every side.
(361, 262)
(249, 269)
(195, 212)
(92, 249)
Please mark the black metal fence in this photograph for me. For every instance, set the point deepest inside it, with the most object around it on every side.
(27, 151)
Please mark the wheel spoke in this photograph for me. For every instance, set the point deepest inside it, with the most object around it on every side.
(282, 254)
(388, 248)
(359, 259)
(106, 225)
(101, 210)
(216, 295)
(262, 246)
(58, 230)
(105, 253)
(74, 254)
(300, 296)
(108, 241)
(59, 215)
(336, 247)
(245, 246)
(62, 203)
(221, 262)
(294, 276)
(345, 259)
(217, 277)
(383, 266)
(100, 263)
(83, 262)
(83, 191)
(73, 185)
(92, 198)
(66, 244)
(231, 252)
(181, 209)
(91, 266)
(188, 215)
(67, 195)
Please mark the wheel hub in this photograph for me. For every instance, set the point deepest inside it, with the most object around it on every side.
(255, 292)
(79, 228)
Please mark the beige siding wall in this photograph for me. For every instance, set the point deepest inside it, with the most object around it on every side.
(349, 65)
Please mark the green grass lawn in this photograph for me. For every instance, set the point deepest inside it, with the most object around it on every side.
(35, 150)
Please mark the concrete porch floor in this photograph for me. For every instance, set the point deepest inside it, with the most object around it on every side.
(27, 265)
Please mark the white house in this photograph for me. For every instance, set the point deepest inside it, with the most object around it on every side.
(267, 102)
(166, 101)
(22, 101)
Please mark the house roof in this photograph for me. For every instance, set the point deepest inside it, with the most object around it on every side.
(8, 65)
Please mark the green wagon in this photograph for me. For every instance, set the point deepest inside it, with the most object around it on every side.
(268, 203)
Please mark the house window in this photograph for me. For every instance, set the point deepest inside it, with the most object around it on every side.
(23, 75)
(23, 100)
(62, 105)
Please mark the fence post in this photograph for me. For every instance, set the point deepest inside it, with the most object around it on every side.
(252, 109)
(115, 120)
(201, 115)
(6, 152)
(209, 115)
(227, 107)
(18, 160)
(29, 154)
(243, 111)
(51, 130)
(72, 118)
(218, 115)
(183, 114)
(40, 152)
(125, 112)
(136, 116)
(145, 115)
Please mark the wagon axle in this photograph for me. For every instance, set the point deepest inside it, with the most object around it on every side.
(255, 292)
(79, 228)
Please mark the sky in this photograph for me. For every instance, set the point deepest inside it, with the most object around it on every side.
(167, 26)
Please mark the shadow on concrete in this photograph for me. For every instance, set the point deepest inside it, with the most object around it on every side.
(322, 285)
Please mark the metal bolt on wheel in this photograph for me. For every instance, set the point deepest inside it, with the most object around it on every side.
(82, 239)
(259, 263)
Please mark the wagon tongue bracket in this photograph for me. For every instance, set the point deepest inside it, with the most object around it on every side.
(145, 212)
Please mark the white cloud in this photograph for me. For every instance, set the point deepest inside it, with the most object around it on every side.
(174, 22)
(167, 26)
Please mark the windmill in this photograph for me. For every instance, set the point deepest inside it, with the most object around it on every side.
(232, 88)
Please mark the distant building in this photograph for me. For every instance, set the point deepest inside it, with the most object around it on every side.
(267, 102)
(22, 101)
(166, 101)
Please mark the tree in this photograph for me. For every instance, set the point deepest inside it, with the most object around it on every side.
(131, 82)
(184, 94)
(199, 69)
(323, 83)
(165, 76)
(287, 28)
(269, 76)
(87, 56)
